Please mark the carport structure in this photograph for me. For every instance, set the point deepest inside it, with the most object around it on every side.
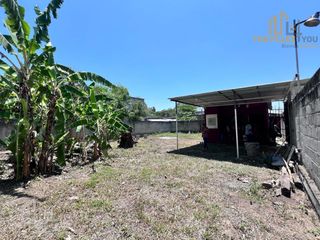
(236, 97)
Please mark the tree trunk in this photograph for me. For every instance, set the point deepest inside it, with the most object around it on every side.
(95, 151)
(60, 130)
(47, 140)
(27, 149)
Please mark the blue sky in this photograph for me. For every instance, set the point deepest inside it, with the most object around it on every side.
(165, 48)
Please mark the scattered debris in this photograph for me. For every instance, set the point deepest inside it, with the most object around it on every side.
(278, 203)
(285, 185)
(72, 230)
(74, 198)
(297, 181)
(26, 184)
(288, 180)
(278, 192)
(267, 185)
(243, 179)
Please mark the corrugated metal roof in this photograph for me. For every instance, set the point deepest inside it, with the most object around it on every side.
(245, 95)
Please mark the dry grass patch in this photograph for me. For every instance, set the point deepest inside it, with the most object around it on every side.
(150, 193)
(103, 175)
(98, 204)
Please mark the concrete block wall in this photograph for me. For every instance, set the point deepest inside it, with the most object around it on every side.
(139, 128)
(305, 114)
(145, 127)
(148, 127)
(5, 129)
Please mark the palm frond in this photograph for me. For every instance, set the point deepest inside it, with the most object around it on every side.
(5, 67)
(46, 57)
(8, 82)
(44, 20)
(64, 70)
(15, 19)
(88, 76)
(73, 90)
(5, 43)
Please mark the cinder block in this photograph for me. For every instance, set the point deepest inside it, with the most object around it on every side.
(308, 109)
(313, 105)
(306, 161)
(316, 119)
(311, 153)
(316, 160)
(314, 145)
(317, 105)
(312, 119)
(317, 181)
(314, 132)
(318, 133)
(315, 171)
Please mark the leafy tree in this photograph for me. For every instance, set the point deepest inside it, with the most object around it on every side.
(137, 110)
(152, 111)
(167, 113)
(185, 112)
(119, 95)
(40, 95)
(132, 109)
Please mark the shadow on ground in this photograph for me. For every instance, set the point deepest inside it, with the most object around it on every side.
(8, 185)
(222, 152)
(16, 189)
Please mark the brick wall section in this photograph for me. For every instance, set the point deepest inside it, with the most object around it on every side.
(306, 116)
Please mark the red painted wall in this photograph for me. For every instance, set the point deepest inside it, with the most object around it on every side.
(256, 114)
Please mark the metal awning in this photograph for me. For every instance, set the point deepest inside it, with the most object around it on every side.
(245, 95)
(238, 96)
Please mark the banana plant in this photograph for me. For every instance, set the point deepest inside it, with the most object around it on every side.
(101, 120)
(41, 96)
(68, 84)
(19, 57)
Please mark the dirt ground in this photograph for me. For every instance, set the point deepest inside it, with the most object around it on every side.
(154, 192)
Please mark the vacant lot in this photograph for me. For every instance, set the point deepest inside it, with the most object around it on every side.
(150, 192)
